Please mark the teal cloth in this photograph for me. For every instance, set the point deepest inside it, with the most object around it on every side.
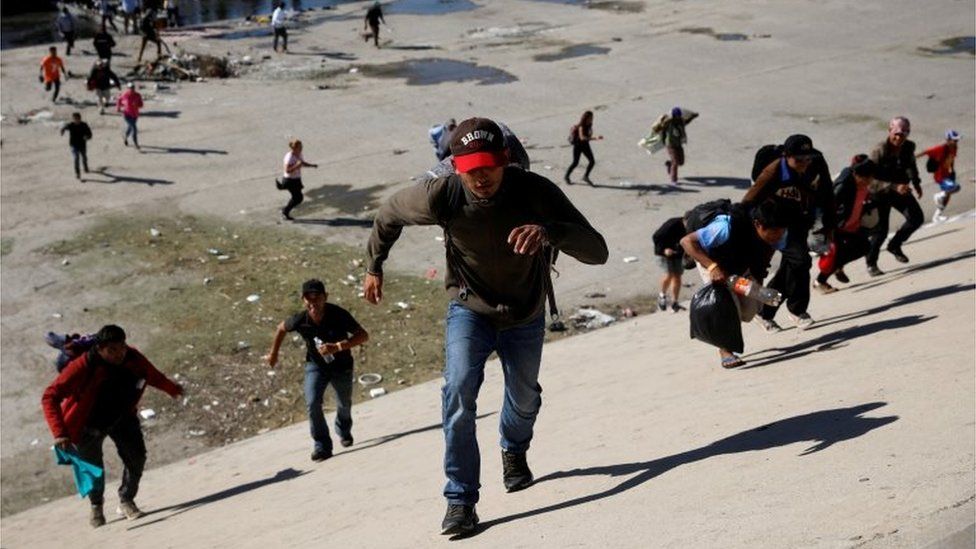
(87, 476)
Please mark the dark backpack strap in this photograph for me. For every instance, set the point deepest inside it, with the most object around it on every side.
(451, 204)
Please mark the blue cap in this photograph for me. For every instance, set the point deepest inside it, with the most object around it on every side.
(952, 134)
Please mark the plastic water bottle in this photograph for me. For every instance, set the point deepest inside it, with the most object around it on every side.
(753, 290)
(327, 358)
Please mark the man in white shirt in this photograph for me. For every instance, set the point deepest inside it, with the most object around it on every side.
(278, 24)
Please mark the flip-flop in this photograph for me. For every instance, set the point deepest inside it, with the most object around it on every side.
(732, 362)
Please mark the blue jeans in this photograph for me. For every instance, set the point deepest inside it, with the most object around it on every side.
(316, 379)
(130, 129)
(470, 338)
(80, 155)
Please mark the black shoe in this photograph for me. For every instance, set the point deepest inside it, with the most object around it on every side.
(286, 217)
(515, 471)
(459, 520)
(346, 442)
(321, 455)
(902, 258)
(841, 276)
(279, 185)
(568, 180)
(873, 270)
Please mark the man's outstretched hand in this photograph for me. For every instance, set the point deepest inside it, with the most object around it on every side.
(527, 239)
(373, 288)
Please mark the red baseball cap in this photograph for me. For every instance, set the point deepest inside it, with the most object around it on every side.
(478, 143)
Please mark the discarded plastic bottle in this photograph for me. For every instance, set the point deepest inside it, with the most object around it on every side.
(753, 290)
(327, 358)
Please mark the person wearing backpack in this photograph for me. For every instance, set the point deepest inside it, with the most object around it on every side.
(941, 164)
(852, 199)
(440, 138)
(501, 224)
(580, 136)
(667, 246)
(150, 34)
(671, 128)
(798, 179)
(96, 396)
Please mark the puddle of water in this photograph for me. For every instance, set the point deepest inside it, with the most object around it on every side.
(569, 52)
(241, 34)
(957, 44)
(344, 198)
(430, 71)
(708, 31)
(621, 7)
(429, 7)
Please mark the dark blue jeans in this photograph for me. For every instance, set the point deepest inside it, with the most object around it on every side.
(316, 379)
(470, 339)
(80, 155)
(131, 129)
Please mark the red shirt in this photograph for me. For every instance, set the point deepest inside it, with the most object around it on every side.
(945, 155)
(853, 222)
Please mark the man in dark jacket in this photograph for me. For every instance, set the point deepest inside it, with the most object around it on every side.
(667, 246)
(799, 179)
(78, 135)
(95, 397)
(896, 168)
(104, 43)
(101, 79)
(501, 224)
(851, 190)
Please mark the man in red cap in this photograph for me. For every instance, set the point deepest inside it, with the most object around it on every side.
(501, 227)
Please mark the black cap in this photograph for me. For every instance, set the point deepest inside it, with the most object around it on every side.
(863, 166)
(799, 145)
(476, 143)
(313, 285)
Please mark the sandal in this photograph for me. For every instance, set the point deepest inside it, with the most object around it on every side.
(732, 362)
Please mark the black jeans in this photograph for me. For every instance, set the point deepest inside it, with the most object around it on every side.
(69, 38)
(792, 279)
(56, 84)
(126, 433)
(908, 206)
(283, 33)
(848, 247)
(80, 153)
(584, 149)
(293, 186)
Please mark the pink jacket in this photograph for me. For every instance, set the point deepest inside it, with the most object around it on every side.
(129, 103)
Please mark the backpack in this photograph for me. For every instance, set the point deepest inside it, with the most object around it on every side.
(703, 214)
(435, 133)
(931, 165)
(573, 134)
(764, 157)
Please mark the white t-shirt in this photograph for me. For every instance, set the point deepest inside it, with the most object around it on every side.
(278, 18)
(290, 158)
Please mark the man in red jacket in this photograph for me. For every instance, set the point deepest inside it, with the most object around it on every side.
(94, 397)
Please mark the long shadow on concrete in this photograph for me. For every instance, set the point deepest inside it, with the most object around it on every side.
(374, 442)
(336, 222)
(719, 181)
(645, 188)
(113, 178)
(824, 429)
(153, 149)
(895, 274)
(909, 299)
(829, 342)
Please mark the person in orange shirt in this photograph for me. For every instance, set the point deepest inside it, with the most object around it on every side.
(49, 75)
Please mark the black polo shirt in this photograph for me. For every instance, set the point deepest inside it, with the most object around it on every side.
(337, 325)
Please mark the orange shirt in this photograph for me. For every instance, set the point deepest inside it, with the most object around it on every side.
(51, 65)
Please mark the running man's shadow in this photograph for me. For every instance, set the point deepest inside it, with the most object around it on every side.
(376, 441)
(280, 476)
(112, 178)
(151, 149)
(828, 342)
(823, 429)
(734, 182)
(909, 299)
(336, 222)
(645, 188)
(160, 114)
(895, 274)
(340, 55)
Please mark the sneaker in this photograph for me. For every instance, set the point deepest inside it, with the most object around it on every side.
(803, 320)
(459, 520)
(346, 442)
(939, 199)
(937, 217)
(873, 270)
(769, 325)
(286, 217)
(321, 455)
(823, 287)
(675, 307)
(662, 302)
(515, 471)
(97, 516)
(901, 257)
(128, 509)
(841, 276)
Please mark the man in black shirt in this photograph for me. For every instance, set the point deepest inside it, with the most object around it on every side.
(329, 332)
(374, 16)
(104, 43)
(78, 135)
(101, 79)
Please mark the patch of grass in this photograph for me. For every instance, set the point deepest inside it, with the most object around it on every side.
(189, 287)
(6, 246)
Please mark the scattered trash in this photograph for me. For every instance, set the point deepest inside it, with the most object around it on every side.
(594, 295)
(430, 273)
(271, 373)
(57, 315)
(253, 298)
(354, 70)
(226, 257)
(628, 312)
(813, 119)
(243, 345)
(213, 251)
(65, 262)
(403, 305)
(370, 379)
(35, 442)
(630, 259)
(196, 432)
(592, 318)
(153, 232)
(147, 413)
(207, 280)
(379, 391)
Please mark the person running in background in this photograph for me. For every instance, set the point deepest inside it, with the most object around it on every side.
(150, 34)
(292, 179)
(329, 332)
(667, 246)
(70, 347)
(739, 243)
(65, 24)
(95, 397)
(129, 103)
(374, 16)
(942, 165)
(851, 197)
(280, 27)
(896, 169)
(440, 137)
(103, 43)
(130, 13)
(172, 12)
(78, 135)
(671, 127)
(51, 70)
(101, 80)
(580, 136)
(107, 12)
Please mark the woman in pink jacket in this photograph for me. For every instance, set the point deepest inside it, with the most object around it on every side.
(128, 104)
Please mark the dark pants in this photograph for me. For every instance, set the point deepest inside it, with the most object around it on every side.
(912, 212)
(69, 39)
(316, 379)
(109, 20)
(676, 156)
(376, 34)
(173, 16)
(283, 33)
(127, 436)
(293, 186)
(585, 150)
(131, 130)
(847, 248)
(792, 279)
(80, 154)
(56, 84)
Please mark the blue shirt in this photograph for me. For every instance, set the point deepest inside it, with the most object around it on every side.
(717, 233)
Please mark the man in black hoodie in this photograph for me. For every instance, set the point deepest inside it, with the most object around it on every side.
(78, 135)
(851, 190)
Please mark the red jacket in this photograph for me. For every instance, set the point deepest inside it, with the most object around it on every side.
(69, 400)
